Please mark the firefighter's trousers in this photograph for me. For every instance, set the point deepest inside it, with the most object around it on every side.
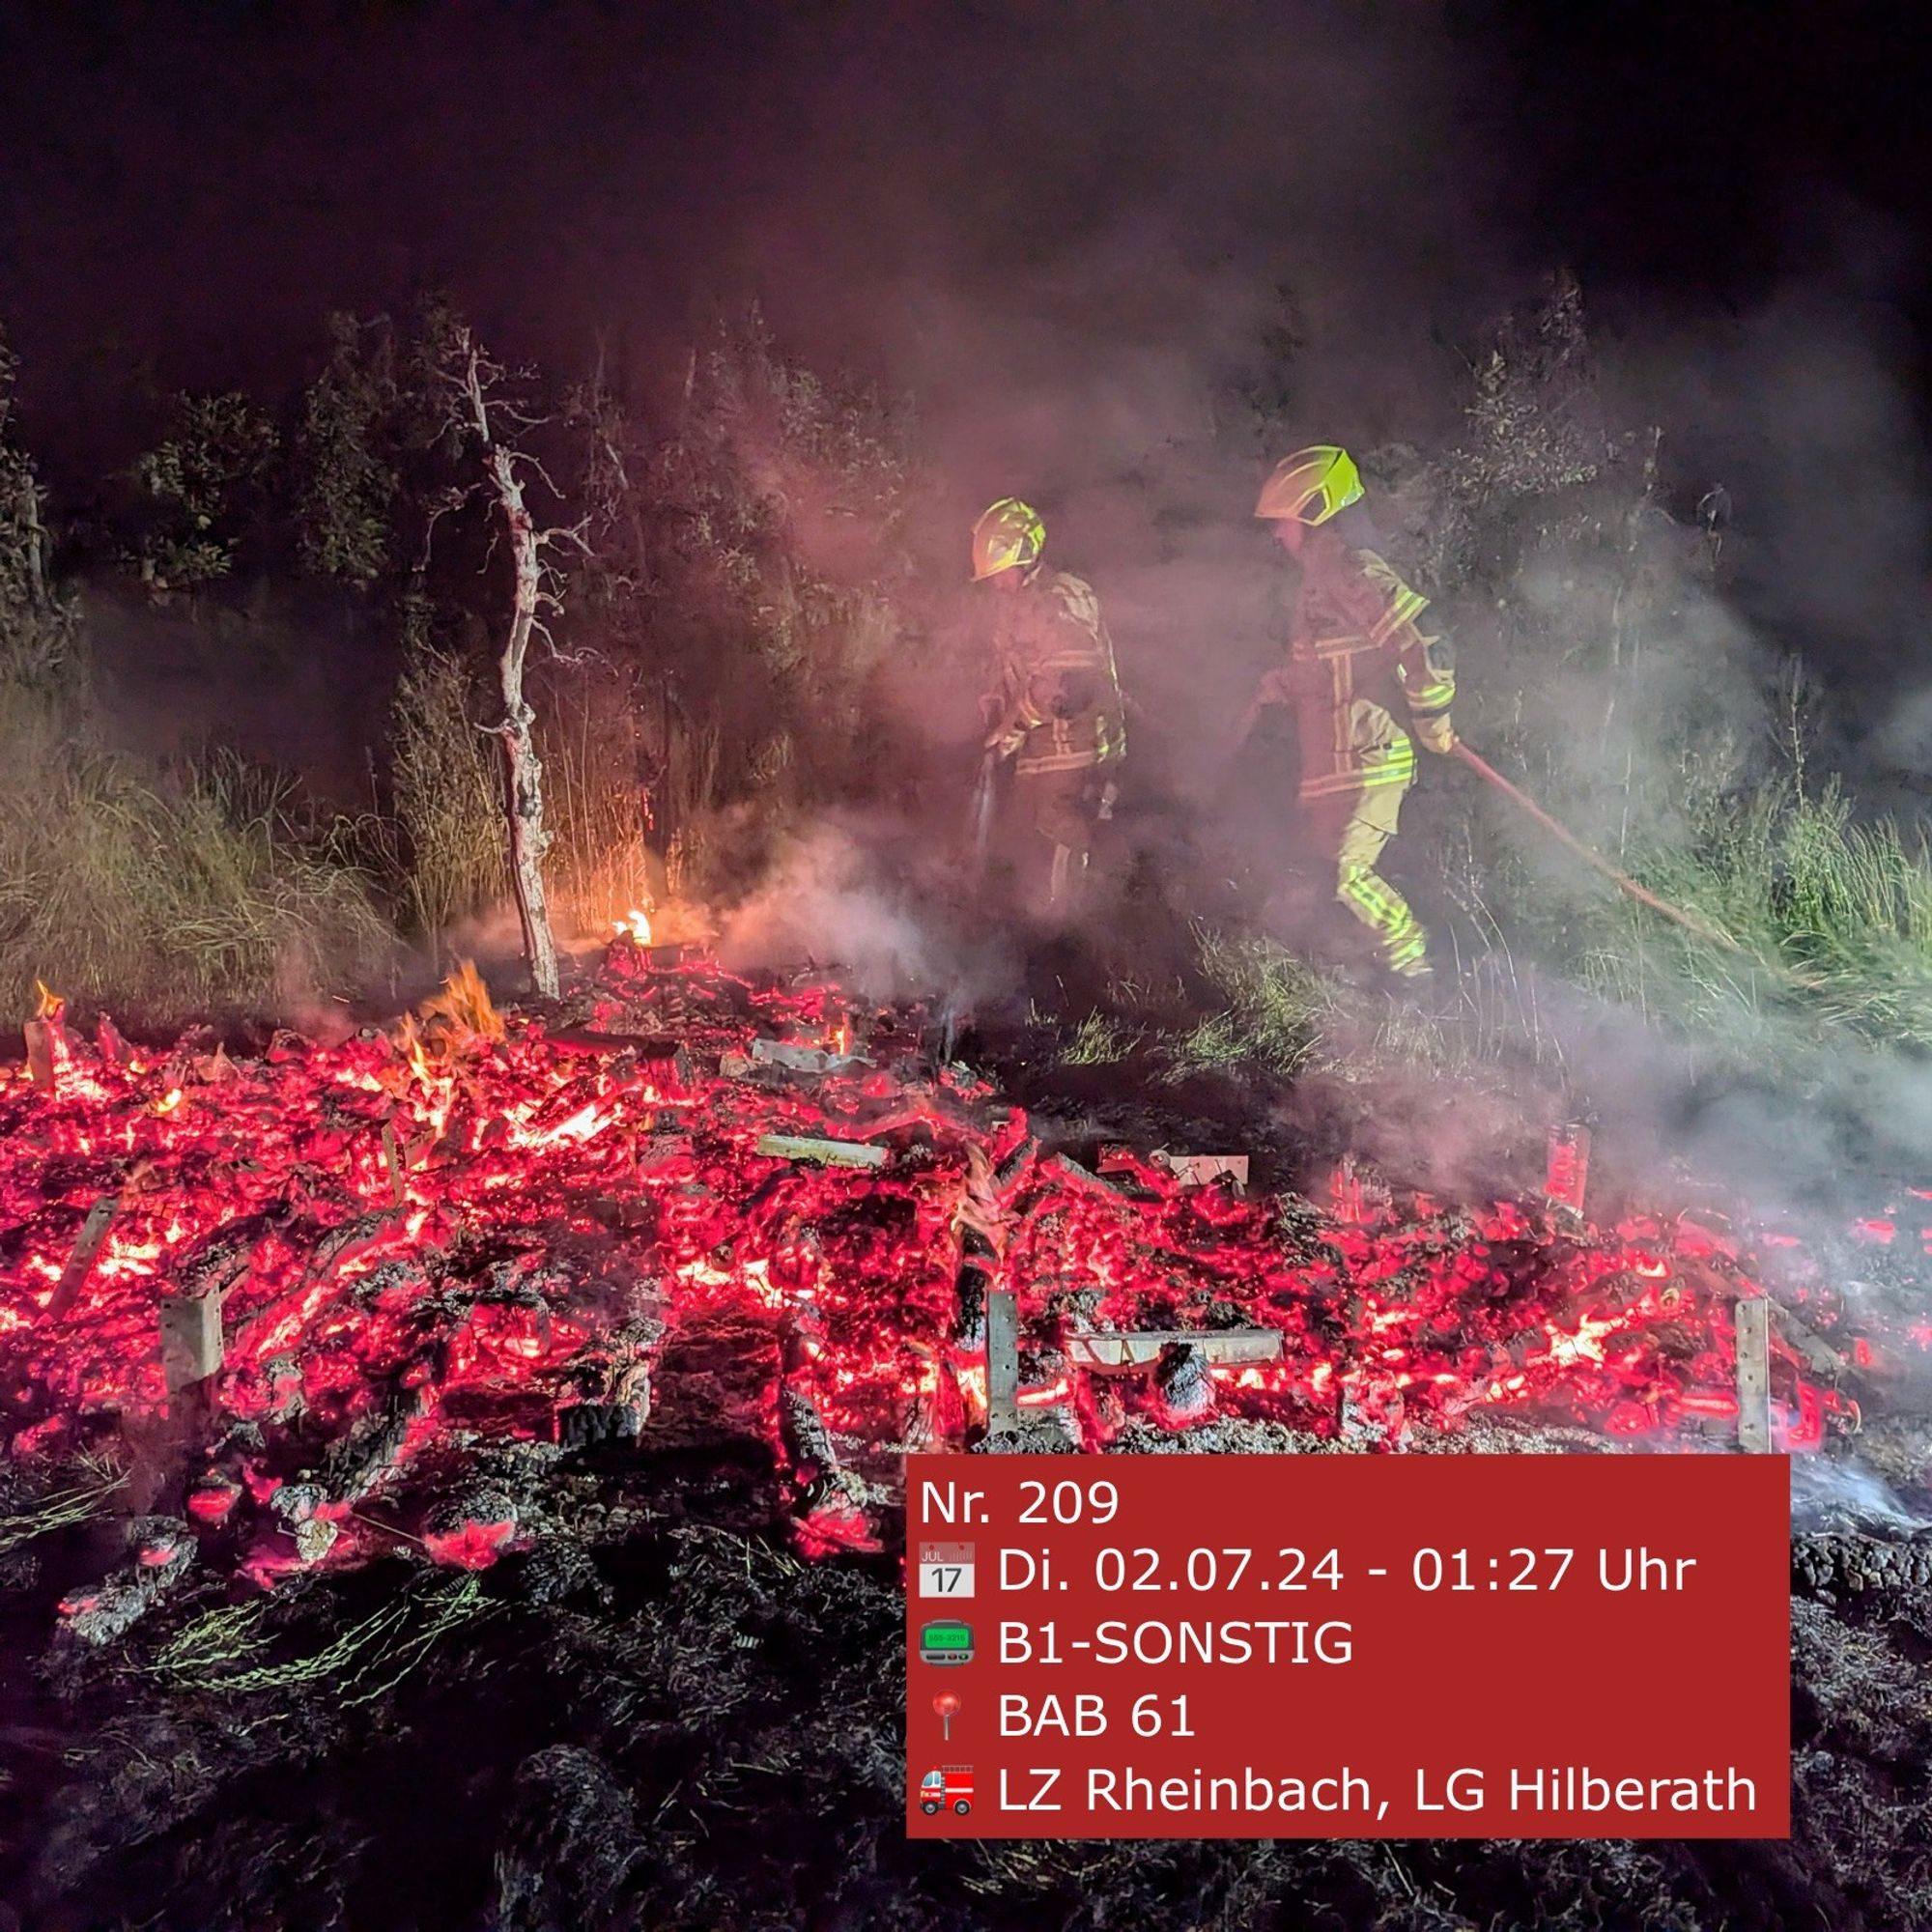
(1347, 832)
(1049, 839)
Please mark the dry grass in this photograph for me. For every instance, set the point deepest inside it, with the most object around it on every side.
(448, 795)
(90, 1486)
(692, 789)
(167, 895)
(449, 800)
(599, 867)
(1258, 1009)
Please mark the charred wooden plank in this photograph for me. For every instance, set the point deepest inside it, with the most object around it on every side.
(1062, 1167)
(41, 1036)
(332, 1248)
(1185, 1380)
(1189, 1170)
(392, 1162)
(625, 1212)
(1753, 1373)
(795, 1057)
(971, 1286)
(833, 1154)
(108, 1042)
(359, 1461)
(615, 1378)
(653, 1053)
(192, 1342)
(658, 1151)
(659, 956)
(1112, 1351)
(1003, 1362)
(802, 1432)
(80, 1262)
(1356, 1194)
(1812, 1349)
(1567, 1168)
(211, 1265)
(1013, 1170)
(1200, 1169)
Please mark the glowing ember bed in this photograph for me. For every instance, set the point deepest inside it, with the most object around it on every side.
(366, 1259)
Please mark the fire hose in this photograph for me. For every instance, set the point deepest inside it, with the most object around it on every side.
(1489, 774)
(952, 1010)
(979, 813)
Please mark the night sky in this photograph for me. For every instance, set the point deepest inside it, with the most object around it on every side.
(1056, 224)
(194, 183)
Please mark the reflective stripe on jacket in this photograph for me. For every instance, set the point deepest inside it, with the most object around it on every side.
(1359, 668)
(1057, 677)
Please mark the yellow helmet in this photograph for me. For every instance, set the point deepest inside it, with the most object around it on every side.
(1010, 534)
(1311, 484)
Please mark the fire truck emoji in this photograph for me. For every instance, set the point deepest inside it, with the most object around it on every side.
(952, 1785)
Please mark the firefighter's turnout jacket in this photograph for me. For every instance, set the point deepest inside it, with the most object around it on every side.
(1359, 668)
(1060, 693)
(1361, 675)
(1059, 720)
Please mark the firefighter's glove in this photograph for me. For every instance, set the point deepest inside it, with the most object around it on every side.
(1006, 741)
(1436, 734)
(1110, 794)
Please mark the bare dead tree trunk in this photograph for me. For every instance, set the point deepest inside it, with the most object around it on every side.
(529, 838)
(532, 594)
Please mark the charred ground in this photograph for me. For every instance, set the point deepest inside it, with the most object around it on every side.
(547, 1674)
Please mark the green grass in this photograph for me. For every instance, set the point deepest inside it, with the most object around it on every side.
(1253, 1010)
(1833, 920)
(1276, 1013)
(1275, 1007)
(226, 1651)
(1100, 1040)
(88, 1489)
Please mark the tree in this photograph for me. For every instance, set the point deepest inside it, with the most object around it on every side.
(483, 416)
(346, 484)
(204, 480)
(38, 621)
(775, 561)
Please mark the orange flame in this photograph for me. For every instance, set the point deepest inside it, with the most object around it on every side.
(634, 925)
(52, 1004)
(463, 1005)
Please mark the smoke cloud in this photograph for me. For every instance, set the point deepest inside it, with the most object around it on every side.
(1119, 256)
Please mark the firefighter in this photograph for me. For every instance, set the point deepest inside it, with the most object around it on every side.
(1056, 714)
(1362, 682)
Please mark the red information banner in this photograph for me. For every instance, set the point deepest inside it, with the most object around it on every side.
(1348, 1646)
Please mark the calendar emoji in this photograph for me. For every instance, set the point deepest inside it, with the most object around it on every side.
(945, 1570)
